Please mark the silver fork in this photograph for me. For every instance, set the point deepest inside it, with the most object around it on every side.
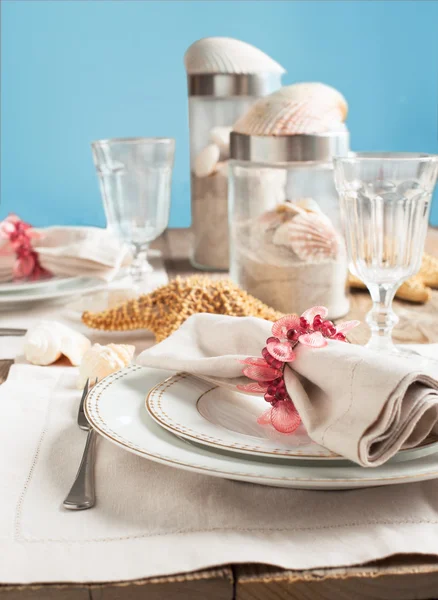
(82, 494)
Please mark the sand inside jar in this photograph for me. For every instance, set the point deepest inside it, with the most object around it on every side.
(273, 274)
(210, 221)
(264, 187)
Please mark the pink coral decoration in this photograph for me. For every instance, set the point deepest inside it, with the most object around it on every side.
(19, 236)
(267, 371)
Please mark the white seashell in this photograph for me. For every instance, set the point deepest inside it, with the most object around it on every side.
(101, 361)
(302, 108)
(310, 235)
(221, 137)
(206, 161)
(47, 341)
(228, 55)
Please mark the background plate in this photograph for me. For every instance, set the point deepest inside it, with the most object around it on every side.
(76, 285)
(24, 286)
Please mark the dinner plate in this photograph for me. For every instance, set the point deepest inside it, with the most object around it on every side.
(26, 285)
(226, 419)
(76, 285)
(115, 409)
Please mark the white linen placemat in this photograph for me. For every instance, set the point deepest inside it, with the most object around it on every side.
(153, 520)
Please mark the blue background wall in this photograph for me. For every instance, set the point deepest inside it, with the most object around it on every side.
(74, 71)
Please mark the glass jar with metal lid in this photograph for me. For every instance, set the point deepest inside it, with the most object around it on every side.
(225, 77)
(286, 246)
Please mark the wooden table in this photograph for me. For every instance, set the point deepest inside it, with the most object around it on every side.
(397, 578)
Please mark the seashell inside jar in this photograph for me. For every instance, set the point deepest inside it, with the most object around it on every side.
(292, 256)
(289, 251)
(225, 77)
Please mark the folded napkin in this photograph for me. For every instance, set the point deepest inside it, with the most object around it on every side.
(360, 404)
(72, 251)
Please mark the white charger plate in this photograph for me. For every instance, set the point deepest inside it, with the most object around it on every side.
(115, 409)
(75, 285)
(226, 419)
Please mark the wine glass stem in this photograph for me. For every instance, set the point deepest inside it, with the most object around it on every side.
(381, 318)
(140, 264)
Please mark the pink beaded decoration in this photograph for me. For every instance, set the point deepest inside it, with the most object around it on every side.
(19, 236)
(268, 372)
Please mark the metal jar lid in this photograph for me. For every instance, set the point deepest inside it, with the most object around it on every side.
(226, 85)
(289, 148)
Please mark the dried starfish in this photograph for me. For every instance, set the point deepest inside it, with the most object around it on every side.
(166, 308)
(417, 287)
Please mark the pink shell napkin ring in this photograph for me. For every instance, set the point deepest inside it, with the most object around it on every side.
(19, 236)
(267, 371)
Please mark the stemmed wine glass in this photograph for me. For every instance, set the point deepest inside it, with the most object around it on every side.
(135, 176)
(385, 202)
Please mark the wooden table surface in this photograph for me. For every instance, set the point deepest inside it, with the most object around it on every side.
(397, 578)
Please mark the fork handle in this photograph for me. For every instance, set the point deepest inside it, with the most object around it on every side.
(82, 494)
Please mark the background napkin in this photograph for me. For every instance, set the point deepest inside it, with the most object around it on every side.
(361, 404)
(153, 520)
(75, 251)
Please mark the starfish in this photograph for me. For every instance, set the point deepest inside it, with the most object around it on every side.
(417, 287)
(165, 309)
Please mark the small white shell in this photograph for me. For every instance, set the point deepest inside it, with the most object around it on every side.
(228, 55)
(302, 108)
(206, 161)
(47, 341)
(101, 361)
(310, 235)
(221, 136)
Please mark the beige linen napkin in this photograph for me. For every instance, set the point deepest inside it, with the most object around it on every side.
(75, 251)
(363, 405)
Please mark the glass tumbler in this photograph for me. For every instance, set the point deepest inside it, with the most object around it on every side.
(385, 202)
(135, 176)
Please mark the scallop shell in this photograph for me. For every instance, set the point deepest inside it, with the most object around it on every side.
(47, 341)
(311, 236)
(228, 55)
(101, 361)
(302, 108)
(206, 161)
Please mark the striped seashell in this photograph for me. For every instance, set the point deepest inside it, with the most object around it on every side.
(100, 361)
(228, 55)
(310, 236)
(299, 109)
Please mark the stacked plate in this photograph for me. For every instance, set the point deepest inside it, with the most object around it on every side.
(187, 423)
(25, 292)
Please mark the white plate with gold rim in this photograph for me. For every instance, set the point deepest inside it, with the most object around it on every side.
(115, 409)
(226, 419)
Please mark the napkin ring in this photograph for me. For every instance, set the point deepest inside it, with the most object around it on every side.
(310, 329)
(19, 236)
